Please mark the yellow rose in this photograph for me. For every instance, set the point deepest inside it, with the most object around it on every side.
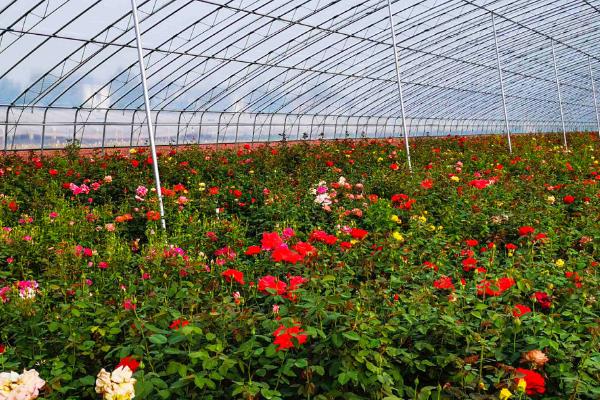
(395, 218)
(522, 385)
(455, 178)
(505, 394)
(398, 236)
(132, 151)
(560, 263)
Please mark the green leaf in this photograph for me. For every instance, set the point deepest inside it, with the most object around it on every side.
(352, 336)
(201, 354)
(88, 380)
(343, 378)
(158, 339)
(301, 363)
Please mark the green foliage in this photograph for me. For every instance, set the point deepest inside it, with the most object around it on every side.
(112, 284)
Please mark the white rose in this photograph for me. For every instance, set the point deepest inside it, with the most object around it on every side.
(121, 374)
(103, 381)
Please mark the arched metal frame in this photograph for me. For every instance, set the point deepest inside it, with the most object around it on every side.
(291, 67)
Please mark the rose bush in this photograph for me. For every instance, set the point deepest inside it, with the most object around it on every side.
(318, 271)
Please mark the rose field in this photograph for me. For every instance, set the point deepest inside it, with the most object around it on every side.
(304, 271)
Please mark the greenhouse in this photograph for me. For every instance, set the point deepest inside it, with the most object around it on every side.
(300, 199)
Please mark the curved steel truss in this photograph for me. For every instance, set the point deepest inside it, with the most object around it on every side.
(256, 70)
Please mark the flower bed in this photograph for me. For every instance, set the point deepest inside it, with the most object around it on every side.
(308, 271)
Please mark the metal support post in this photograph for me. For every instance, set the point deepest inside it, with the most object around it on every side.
(404, 130)
(594, 93)
(562, 114)
(136, 23)
(502, 86)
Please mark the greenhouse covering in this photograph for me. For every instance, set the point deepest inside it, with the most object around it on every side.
(254, 70)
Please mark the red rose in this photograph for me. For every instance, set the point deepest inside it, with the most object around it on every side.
(179, 188)
(129, 362)
(152, 215)
(178, 323)
(429, 264)
(480, 183)
(535, 382)
(272, 283)
(286, 255)
(526, 230)
(286, 338)
(427, 183)
(271, 241)
(444, 283)
(495, 287)
(520, 310)
(233, 274)
(469, 264)
(252, 250)
(543, 299)
(358, 233)
(323, 237)
(568, 199)
(345, 245)
(305, 249)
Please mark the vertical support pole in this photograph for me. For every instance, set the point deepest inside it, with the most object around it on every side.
(179, 128)
(132, 129)
(394, 127)
(312, 124)
(156, 126)
(283, 135)
(138, 38)
(200, 127)
(385, 126)
(43, 131)
(75, 124)
(254, 127)
(6, 129)
(237, 128)
(562, 114)
(104, 132)
(405, 132)
(594, 93)
(299, 119)
(357, 127)
(270, 127)
(502, 86)
(219, 129)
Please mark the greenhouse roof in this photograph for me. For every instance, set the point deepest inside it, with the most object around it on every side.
(304, 57)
